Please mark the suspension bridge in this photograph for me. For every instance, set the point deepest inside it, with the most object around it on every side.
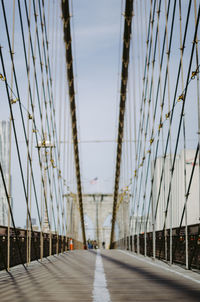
(85, 216)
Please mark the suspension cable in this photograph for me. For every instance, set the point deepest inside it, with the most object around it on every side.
(124, 79)
(70, 75)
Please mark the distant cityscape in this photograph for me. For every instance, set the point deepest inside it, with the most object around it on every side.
(179, 189)
(177, 197)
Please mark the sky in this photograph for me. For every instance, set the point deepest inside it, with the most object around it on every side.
(97, 28)
(96, 43)
(97, 40)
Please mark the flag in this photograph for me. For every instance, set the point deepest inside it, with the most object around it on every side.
(94, 181)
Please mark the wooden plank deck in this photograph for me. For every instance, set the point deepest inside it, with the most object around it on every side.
(104, 276)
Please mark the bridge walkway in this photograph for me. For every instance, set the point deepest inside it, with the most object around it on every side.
(106, 275)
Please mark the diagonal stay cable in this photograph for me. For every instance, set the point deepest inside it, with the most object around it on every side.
(15, 133)
(155, 107)
(181, 116)
(7, 89)
(36, 82)
(163, 98)
(30, 92)
(17, 147)
(50, 93)
(51, 101)
(148, 115)
(185, 203)
(141, 120)
(12, 217)
(43, 86)
(143, 130)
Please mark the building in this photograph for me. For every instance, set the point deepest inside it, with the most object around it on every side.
(177, 198)
(4, 159)
(140, 224)
(34, 225)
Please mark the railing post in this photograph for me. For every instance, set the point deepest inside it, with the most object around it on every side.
(41, 244)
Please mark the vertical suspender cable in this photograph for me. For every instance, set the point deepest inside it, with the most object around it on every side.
(182, 109)
(198, 97)
(170, 143)
(10, 146)
(28, 174)
(184, 140)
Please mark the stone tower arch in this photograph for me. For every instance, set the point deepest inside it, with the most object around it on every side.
(98, 207)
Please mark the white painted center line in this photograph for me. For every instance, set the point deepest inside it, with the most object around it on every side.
(100, 291)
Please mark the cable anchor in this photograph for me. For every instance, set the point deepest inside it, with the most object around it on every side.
(2, 77)
(167, 115)
(13, 101)
(181, 97)
(194, 73)
(151, 141)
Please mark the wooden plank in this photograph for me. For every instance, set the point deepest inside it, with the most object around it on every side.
(70, 277)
